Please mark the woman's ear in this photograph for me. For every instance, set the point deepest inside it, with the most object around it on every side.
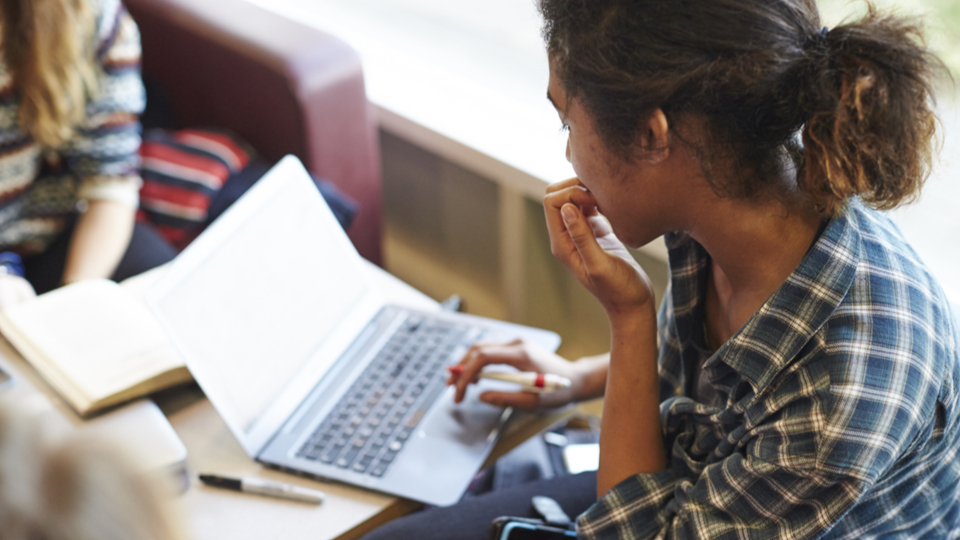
(654, 137)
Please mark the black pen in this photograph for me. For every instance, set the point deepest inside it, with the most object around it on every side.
(264, 487)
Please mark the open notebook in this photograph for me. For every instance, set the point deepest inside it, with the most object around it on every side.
(96, 342)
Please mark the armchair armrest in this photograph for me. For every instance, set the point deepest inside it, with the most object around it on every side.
(284, 87)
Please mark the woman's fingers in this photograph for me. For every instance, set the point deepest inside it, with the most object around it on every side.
(521, 400)
(558, 186)
(588, 247)
(483, 354)
(576, 194)
(599, 224)
(560, 243)
(522, 356)
(582, 235)
(528, 400)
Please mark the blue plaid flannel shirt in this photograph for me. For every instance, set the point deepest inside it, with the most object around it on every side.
(840, 404)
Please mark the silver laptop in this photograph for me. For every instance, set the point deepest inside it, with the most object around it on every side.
(280, 322)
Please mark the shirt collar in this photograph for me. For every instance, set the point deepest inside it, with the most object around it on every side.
(789, 318)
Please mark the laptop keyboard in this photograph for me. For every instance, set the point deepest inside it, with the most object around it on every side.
(373, 420)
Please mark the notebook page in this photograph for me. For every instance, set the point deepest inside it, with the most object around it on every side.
(96, 336)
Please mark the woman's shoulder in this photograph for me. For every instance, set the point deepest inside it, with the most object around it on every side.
(109, 17)
(894, 305)
(116, 38)
(888, 351)
(882, 240)
(891, 279)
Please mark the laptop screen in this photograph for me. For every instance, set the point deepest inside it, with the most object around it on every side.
(254, 298)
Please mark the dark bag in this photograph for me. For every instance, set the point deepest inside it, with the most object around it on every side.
(539, 458)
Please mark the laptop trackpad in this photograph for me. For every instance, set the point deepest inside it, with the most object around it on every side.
(469, 422)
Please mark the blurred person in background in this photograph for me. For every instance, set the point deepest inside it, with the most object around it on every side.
(75, 487)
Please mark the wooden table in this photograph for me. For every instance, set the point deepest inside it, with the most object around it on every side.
(216, 514)
(347, 513)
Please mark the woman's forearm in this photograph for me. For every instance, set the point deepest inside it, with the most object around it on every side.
(593, 376)
(99, 240)
(631, 439)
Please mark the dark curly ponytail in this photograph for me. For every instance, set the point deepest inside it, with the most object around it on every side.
(870, 129)
(759, 75)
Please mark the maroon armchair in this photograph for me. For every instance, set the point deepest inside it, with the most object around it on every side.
(284, 87)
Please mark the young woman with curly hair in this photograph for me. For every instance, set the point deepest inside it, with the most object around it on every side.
(801, 380)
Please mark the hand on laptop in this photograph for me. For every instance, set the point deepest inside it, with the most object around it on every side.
(525, 357)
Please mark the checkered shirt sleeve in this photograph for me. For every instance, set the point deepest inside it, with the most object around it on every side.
(104, 152)
(839, 411)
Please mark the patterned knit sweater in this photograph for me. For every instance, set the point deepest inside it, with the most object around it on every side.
(40, 188)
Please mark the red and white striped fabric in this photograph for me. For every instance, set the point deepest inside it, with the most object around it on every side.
(182, 171)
